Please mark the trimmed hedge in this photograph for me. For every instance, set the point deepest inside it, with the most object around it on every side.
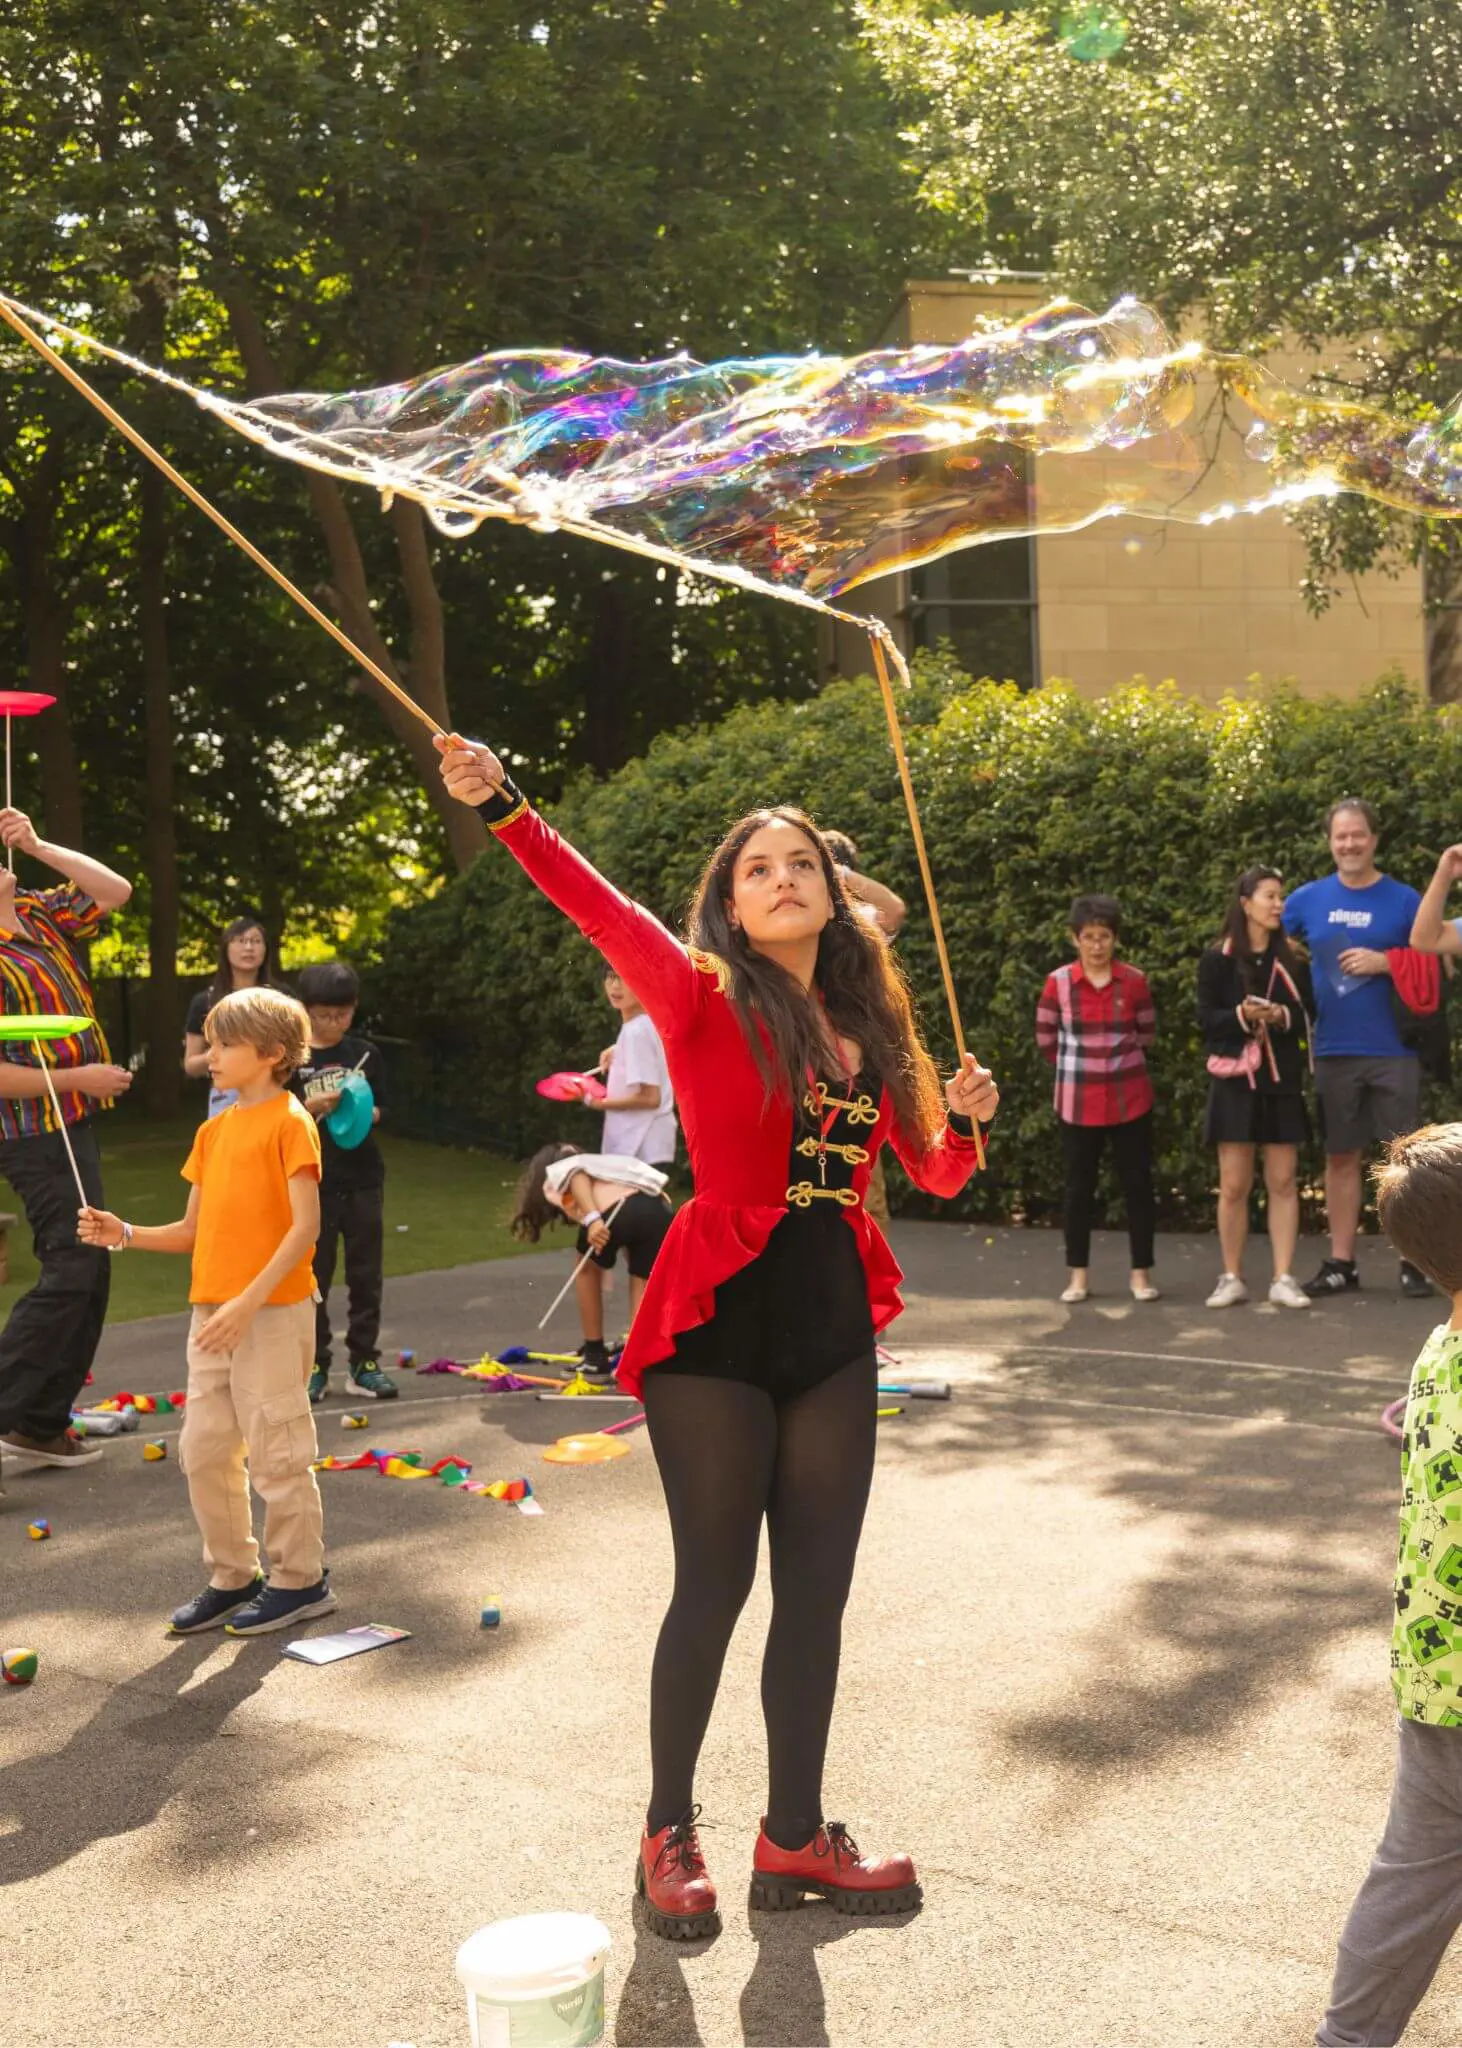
(1026, 799)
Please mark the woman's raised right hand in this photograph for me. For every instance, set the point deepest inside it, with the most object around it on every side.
(472, 773)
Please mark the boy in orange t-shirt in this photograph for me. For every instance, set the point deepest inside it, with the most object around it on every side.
(251, 1223)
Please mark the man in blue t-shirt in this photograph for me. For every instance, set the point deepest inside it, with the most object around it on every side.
(1368, 1083)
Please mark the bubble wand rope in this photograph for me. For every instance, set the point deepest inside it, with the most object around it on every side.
(195, 497)
(895, 733)
(877, 632)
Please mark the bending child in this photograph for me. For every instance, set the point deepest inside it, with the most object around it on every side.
(619, 1203)
(250, 1226)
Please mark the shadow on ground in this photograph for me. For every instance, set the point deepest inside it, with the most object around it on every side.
(1270, 1569)
(140, 1743)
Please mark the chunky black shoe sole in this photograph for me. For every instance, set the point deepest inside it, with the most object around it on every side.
(675, 1926)
(783, 1894)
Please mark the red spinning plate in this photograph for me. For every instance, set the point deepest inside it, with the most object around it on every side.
(24, 703)
(572, 1088)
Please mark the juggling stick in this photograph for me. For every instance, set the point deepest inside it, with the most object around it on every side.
(18, 704)
(580, 1267)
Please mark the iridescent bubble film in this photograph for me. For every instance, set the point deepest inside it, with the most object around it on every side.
(804, 476)
(1093, 33)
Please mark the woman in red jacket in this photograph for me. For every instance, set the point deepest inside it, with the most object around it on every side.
(793, 1052)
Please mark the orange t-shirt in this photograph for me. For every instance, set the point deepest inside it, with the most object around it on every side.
(242, 1163)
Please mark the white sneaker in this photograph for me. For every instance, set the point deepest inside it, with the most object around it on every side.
(1288, 1293)
(1229, 1292)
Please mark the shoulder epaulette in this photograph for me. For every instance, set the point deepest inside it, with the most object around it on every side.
(714, 965)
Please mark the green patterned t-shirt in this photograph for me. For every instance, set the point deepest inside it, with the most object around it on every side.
(1426, 1643)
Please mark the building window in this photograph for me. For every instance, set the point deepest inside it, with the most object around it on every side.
(983, 601)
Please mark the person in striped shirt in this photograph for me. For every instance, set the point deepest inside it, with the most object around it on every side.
(48, 1344)
(1094, 1023)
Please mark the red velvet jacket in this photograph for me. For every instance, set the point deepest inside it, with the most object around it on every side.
(739, 1144)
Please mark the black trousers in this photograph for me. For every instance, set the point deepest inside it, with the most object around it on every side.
(1132, 1156)
(354, 1215)
(47, 1346)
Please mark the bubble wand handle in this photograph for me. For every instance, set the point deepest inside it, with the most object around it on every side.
(896, 735)
(210, 511)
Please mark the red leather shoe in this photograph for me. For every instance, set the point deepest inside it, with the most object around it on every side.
(831, 1867)
(671, 1878)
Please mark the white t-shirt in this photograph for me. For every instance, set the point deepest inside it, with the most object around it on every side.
(610, 1166)
(639, 1061)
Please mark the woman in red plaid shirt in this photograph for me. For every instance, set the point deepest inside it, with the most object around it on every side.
(1094, 1023)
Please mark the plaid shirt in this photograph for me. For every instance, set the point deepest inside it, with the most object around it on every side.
(41, 971)
(1096, 1039)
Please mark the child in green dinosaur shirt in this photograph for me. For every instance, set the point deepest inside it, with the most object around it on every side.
(1410, 1904)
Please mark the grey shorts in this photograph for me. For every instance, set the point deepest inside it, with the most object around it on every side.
(1365, 1101)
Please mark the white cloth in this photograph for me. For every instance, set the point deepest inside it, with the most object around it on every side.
(630, 1173)
(639, 1061)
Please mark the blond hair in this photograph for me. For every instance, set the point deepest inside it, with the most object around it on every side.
(1419, 1200)
(265, 1018)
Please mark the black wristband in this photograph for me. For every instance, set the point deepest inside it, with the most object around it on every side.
(962, 1126)
(502, 806)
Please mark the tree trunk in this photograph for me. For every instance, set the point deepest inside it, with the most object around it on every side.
(349, 592)
(45, 639)
(163, 1078)
(1443, 576)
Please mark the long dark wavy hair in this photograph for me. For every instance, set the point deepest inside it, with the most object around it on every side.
(863, 990)
(532, 1210)
(1236, 928)
(223, 975)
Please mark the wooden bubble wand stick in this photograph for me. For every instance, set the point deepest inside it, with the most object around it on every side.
(210, 511)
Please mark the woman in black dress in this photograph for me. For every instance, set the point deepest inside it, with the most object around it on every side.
(1254, 1000)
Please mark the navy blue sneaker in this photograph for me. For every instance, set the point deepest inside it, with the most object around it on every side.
(212, 1607)
(279, 1606)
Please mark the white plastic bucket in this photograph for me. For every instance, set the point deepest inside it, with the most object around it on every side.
(536, 1982)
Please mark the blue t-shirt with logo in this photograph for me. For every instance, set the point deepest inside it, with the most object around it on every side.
(1354, 1016)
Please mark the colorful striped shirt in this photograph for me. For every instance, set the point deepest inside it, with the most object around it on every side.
(1097, 1039)
(42, 973)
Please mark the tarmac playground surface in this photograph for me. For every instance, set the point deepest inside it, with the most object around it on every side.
(1114, 1672)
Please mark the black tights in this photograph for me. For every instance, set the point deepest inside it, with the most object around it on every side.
(729, 1455)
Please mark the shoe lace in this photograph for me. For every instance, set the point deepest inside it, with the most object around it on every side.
(835, 1841)
(681, 1848)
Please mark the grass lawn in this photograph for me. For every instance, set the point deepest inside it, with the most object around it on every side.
(443, 1208)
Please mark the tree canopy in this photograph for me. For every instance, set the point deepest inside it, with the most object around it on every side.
(1291, 168)
(283, 196)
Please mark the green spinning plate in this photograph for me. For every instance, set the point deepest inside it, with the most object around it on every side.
(27, 1028)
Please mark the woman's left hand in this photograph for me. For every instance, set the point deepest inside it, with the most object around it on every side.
(972, 1091)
